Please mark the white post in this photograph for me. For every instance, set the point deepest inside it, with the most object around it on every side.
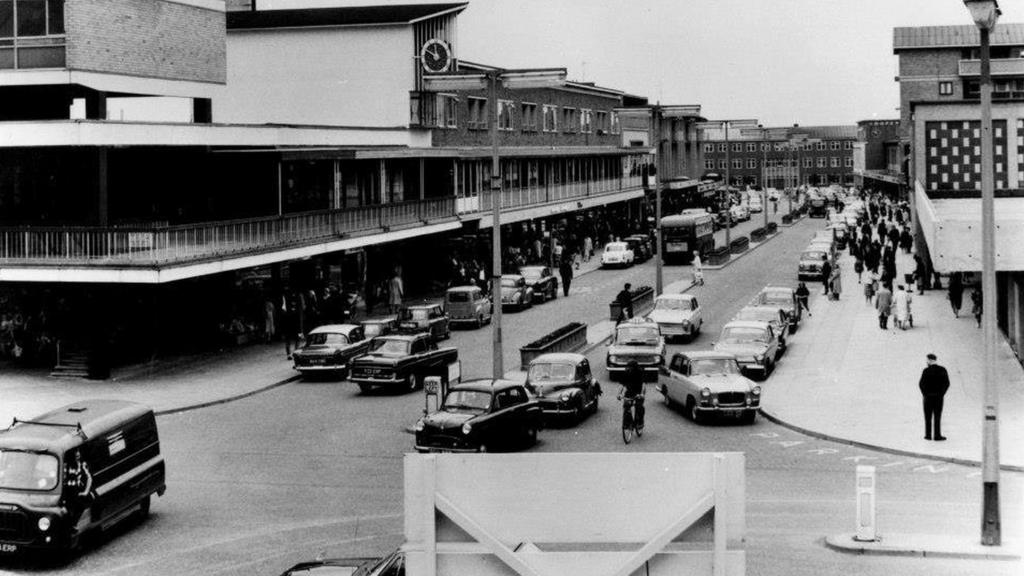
(865, 504)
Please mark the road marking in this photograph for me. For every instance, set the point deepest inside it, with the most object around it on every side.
(932, 468)
(788, 443)
(820, 451)
(859, 458)
(890, 464)
(765, 434)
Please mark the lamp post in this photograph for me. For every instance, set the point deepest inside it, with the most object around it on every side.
(491, 80)
(725, 125)
(658, 177)
(765, 135)
(985, 14)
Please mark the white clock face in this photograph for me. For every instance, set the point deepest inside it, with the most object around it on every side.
(436, 56)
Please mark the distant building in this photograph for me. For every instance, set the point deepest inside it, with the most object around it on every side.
(877, 154)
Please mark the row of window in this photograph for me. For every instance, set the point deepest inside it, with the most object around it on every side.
(752, 163)
(778, 146)
(529, 117)
(28, 18)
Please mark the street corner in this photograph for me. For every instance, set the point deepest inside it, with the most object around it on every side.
(924, 546)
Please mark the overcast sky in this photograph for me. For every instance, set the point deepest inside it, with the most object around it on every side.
(780, 61)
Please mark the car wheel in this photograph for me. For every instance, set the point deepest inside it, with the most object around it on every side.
(577, 412)
(483, 448)
(769, 367)
(143, 512)
(447, 332)
(480, 321)
(692, 412)
(365, 388)
(411, 383)
(593, 406)
(531, 436)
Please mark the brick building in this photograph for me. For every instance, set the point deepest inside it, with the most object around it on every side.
(877, 154)
(826, 157)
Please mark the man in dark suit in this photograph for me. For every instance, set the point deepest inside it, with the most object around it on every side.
(934, 383)
(826, 273)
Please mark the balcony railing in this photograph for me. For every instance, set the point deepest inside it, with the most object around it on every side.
(159, 245)
(538, 195)
(1000, 67)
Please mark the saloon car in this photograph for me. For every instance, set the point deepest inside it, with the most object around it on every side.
(563, 385)
(636, 339)
(754, 344)
(709, 384)
(641, 247)
(329, 349)
(811, 263)
(468, 305)
(391, 565)
(784, 297)
(479, 416)
(515, 292)
(400, 362)
(773, 315)
(542, 280)
(425, 317)
(373, 327)
(677, 315)
(617, 254)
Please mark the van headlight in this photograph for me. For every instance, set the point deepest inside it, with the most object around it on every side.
(44, 523)
(467, 428)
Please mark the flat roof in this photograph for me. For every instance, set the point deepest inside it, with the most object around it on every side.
(965, 35)
(339, 16)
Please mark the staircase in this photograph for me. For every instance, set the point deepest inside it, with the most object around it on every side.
(70, 364)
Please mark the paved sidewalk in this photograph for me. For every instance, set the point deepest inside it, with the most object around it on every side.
(846, 379)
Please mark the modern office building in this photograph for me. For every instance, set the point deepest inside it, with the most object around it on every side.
(169, 169)
(876, 155)
(940, 128)
(806, 155)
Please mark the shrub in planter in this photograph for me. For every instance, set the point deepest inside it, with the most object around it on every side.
(552, 336)
(787, 219)
(772, 228)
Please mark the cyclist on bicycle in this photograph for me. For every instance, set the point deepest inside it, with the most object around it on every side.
(633, 389)
(625, 300)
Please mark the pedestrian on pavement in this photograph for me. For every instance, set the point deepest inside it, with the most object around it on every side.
(803, 295)
(906, 240)
(835, 283)
(901, 307)
(698, 268)
(956, 292)
(269, 329)
(826, 275)
(869, 289)
(933, 384)
(565, 270)
(883, 304)
(290, 323)
(976, 304)
(920, 274)
(625, 300)
(396, 291)
(588, 248)
(858, 267)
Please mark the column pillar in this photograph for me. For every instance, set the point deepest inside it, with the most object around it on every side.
(202, 110)
(96, 105)
(102, 193)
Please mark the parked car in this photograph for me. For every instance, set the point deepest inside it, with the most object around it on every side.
(478, 416)
(616, 254)
(329, 349)
(428, 317)
(740, 213)
(542, 281)
(563, 385)
(515, 292)
(817, 207)
(754, 344)
(391, 565)
(724, 217)
(641, 247)
(811, 262)
(468, 305)
(773, 315)
(636, 339)
(784, 297)
(709, 384)
(373, 327)
(826, 245)
(75, 471)
(677, 315)
(754, 204)
(400, 362)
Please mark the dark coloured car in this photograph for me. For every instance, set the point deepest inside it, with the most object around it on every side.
(542, 280)
(771, 314)
(329, 349)
(641, 247)
(481, 415)
(785, 298)
(564, 386)
(515, 292)
(391, 565)
(401, 362)
(428, 317)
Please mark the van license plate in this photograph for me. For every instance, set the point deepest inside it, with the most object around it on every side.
(8, 548)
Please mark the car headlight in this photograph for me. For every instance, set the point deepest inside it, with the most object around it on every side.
(759, 357)
(756, 390)
(564, 397)
(419, 426)
(614, 360)
(467, 428)
(686, 322)
(44, 523)
(705, 393)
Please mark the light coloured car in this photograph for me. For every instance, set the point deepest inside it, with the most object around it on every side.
(617, 254)
(468, 304)
(636, 339)
(740, 213)
(709, 384)
(515, 292)
(329, 349)
(754, 343)
(754, 204)
(677, 315)
(773, 315)
(784, 297)
(812, 261)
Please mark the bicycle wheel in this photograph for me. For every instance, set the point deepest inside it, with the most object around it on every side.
(627, 427)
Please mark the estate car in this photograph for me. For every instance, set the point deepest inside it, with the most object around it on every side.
(468, 304)
(428, 317)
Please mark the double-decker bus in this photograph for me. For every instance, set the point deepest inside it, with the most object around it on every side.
(683, 233)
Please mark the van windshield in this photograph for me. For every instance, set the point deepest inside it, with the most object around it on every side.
(20, 470)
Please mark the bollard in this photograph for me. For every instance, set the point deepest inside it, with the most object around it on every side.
(865, 504)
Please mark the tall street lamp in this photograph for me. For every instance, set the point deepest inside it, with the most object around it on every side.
(985, 14)
(491, 80)
(724, 126)
(765, 135)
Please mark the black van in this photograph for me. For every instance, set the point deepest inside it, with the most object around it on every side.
(76, 469)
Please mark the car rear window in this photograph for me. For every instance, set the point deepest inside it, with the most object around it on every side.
(458, 297)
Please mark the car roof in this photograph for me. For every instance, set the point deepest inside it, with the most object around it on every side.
(381, 320)
(60, 428)
(615, 244)
(532, 267)
(559, 357)
(407, 336)
(761, 308)
(676, 297)
(418, 306)
(638, 321)
(702, 354)
(512, 276)
(773, 288)
(485, 385)
(334, 329)
(746, 324)
(463, 288)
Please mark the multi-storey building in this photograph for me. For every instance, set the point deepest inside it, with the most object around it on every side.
(877, 154)
(811, 155)
(940, 128)
(283, 150)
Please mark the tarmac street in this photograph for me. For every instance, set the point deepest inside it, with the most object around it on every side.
(315, 467)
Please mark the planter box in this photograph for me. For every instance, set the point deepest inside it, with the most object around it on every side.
(772, 228)
(642, 298)
(787, 219)
(739, 245)
(718, 256)
(757, 234)
(568, 338)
